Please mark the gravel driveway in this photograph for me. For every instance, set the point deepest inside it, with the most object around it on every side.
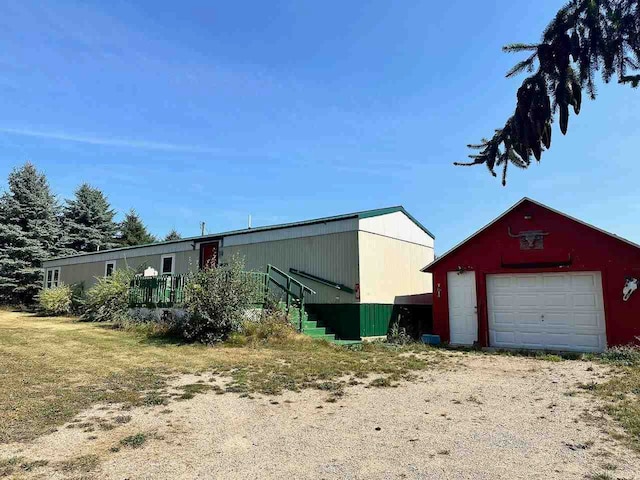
(475, 417)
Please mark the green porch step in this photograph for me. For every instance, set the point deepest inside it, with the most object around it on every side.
(310, 327)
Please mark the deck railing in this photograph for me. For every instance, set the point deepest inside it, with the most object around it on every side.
(167, 291)
(161, 291)
(293, 292)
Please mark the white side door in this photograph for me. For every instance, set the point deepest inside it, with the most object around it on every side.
(463, 308)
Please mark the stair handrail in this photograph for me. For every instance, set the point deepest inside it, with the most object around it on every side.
(289, 292)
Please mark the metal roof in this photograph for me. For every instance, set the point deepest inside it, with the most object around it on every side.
(212, 236)
(523, 200)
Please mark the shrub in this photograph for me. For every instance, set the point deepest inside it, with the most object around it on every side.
(398, 335)
(272, 326)
(217, 301)
(55, 300)
(627, 355)
(153, 322)
(77, 298)
(108, 300)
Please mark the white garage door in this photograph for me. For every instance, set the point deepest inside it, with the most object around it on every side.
(560, 311)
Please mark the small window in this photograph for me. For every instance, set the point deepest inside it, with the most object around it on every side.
(167, 264)
(109, 268)
(53, 278)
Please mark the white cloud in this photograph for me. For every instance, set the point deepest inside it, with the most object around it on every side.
(116, 142)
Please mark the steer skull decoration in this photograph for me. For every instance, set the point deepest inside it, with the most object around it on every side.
(630, 286)
(529, 240)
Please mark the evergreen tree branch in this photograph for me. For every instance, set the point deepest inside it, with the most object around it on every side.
(586, 37)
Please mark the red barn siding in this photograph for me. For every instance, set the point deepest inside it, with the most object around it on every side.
(585, 247)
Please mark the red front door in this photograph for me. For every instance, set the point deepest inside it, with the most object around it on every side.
(209, 255)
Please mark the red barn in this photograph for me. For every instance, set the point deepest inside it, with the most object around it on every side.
(537, 278)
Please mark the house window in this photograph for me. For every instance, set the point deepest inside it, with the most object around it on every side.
(53, 277)
(167, 264)
(109, 268)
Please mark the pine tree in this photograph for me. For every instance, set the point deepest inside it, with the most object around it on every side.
(30, 232)
(586, 36)
(172, 235)
(88, 221)
(133, 231)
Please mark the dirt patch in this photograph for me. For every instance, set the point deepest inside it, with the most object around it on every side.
(478, 417)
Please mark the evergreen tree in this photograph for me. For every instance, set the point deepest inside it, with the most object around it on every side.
(30, 232)
(88, 221)
(586, 36)
(172, 235)
(133, 231)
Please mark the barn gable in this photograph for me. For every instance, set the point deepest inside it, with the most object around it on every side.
(521, 208)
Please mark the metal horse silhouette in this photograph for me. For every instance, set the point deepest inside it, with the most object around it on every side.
(630, 286)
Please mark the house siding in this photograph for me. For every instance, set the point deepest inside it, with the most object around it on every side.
(87, 273)
(333, 257)
(390, 268)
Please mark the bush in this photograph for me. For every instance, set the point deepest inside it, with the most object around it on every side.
(626, 355)
(272, 326)
(55, 300)
(77, 298)
(217, 300)
(398, 335)
(108, 300)
(153, 322)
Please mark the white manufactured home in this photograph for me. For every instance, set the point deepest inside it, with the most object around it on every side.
(364, 267)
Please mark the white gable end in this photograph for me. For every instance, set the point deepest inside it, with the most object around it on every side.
(396, 225)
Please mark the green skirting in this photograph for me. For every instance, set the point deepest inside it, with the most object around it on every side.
(356, 320)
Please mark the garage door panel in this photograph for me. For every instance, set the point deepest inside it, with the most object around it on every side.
(502, 282)
(500, 318)
(502, 300)
(558, 340)
(532, 339)
(552, 282)
(556, 319)
(524, 300)
(546, 311)
(585, 300)
(589, 342)
(588, 319)
(524, 318)
(555, 300)
(526, 282)
(583, 282)
(504, 337)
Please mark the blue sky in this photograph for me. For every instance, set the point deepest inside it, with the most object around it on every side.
(288, 110)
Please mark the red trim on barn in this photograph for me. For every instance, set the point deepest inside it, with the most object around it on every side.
(569, 245)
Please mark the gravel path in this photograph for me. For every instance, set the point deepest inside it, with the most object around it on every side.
(478, 417)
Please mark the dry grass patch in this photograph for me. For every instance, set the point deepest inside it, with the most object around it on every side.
(84, 463)
(621, 395)
(53, 368)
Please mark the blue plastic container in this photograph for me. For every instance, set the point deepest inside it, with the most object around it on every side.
(430, 339)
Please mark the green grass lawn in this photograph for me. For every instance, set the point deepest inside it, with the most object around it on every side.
(53, 368)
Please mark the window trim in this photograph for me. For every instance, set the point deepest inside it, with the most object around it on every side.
(52, 283)
(172, 256)
(106, 266)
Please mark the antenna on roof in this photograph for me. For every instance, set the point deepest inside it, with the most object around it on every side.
(249, 223)
(202, 224)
